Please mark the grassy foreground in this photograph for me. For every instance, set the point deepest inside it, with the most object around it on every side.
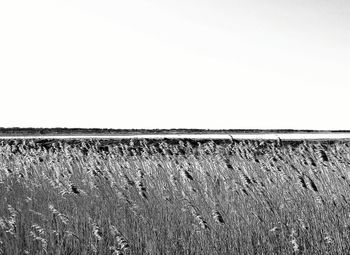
(239, 198)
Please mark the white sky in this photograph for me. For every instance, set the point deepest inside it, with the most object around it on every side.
(175, 63)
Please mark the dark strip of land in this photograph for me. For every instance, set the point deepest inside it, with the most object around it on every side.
(103, 131)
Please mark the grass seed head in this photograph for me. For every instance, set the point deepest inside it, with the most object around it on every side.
(218, 217)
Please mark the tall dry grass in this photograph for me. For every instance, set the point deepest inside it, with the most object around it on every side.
(239, 198)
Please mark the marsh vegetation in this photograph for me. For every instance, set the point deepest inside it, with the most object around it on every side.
(247, 197)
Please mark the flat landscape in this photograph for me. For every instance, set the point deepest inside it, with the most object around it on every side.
(174, 194)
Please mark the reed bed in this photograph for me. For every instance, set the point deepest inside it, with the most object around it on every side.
(236, 198)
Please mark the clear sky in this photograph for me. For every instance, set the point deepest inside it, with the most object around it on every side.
(175, 63)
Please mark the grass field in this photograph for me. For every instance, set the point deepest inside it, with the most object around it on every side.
(248, 197)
